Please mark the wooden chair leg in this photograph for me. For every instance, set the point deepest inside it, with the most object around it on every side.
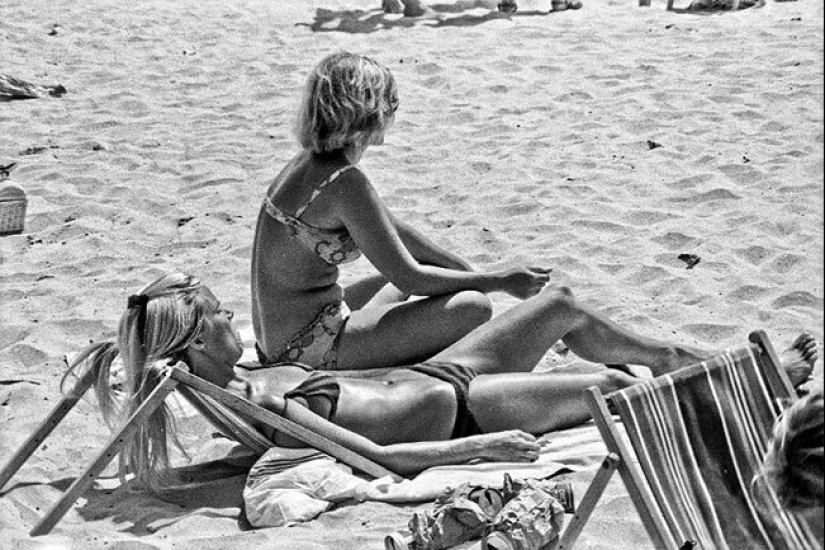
(632, 476)
(83, 481)
(772, 366)
(46, 427)
(588, 503)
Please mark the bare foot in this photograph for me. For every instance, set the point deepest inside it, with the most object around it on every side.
(799, 359)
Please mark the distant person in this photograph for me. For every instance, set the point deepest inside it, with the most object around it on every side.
(321, 211)
(419, 8)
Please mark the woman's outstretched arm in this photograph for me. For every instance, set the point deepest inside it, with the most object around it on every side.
(373, 228)
(407, 458)
(425, 250)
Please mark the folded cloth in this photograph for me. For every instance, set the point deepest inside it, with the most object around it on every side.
(287, 486)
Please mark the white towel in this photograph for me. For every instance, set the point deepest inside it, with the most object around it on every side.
(287, 486)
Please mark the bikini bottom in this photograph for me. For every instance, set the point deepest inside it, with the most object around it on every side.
(316, 345)
(459, 377)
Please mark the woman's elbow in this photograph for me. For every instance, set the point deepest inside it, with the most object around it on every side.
(408, 282)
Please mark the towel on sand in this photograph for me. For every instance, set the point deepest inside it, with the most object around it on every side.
(287, 486)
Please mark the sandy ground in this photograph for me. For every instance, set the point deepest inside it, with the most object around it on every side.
(603, 142)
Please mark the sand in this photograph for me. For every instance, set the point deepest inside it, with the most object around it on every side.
(603, 142)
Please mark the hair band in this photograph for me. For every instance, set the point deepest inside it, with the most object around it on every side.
(139, 301)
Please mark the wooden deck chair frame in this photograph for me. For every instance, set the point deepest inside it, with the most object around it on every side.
(620, 457)
(174, 376)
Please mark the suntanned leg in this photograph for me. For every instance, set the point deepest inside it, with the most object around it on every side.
(392, 335)
(538, 402)
(516, 340)
(546, 401)
(372, 291)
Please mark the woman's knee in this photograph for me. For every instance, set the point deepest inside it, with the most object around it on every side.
(614, 380)
(560, 299)
(470, 308)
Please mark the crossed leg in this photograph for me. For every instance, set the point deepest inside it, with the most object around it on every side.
(517, 339)
(387, 330)
(508, 396)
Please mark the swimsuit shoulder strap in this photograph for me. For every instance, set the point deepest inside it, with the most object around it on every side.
(334, 176)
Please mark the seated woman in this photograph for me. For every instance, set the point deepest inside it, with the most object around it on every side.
(322, 211)
(476, 399)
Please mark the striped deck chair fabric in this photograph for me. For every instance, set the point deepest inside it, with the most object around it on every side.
(700, 436)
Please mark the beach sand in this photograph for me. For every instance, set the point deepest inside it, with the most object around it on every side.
(602, 142)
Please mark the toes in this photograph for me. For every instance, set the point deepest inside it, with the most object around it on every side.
(806, 346)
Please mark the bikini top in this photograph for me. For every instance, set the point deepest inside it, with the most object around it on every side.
(334, 246)
(320, 391)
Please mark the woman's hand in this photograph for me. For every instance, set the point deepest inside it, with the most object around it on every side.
(509, 446)
(524, 282)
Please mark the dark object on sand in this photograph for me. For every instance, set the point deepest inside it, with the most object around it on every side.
(13, 204)
(653, 144)
(5, 171)
(13, 88)
(508, 6)
(690, 259)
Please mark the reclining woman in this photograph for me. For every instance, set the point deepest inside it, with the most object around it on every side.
(322, 211)
(476, 399)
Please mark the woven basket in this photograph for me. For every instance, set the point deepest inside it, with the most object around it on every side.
(13, 204)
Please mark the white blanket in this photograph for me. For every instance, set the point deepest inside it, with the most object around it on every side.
(287, 486)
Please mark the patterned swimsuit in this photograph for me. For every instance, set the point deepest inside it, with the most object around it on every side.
(316, 344)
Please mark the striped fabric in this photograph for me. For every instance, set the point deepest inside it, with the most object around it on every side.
(700, 435)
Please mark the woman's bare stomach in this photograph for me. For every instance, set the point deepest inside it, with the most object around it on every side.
(396, 407)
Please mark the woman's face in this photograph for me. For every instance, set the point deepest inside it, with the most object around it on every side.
(219, 340)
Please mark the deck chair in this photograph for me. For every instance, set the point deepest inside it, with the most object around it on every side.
(192, 387)
(696, 439)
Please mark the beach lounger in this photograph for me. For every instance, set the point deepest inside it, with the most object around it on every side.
(205, 394)
(696, 439)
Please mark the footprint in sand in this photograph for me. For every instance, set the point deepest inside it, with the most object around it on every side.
(754, 254)
(674, 241)
(749, 293)
(743, 174)
(787, 263)
(711, 332)
(712, 195)
(22, 355)
(800, 298)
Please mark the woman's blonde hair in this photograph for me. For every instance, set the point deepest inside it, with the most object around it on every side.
(157, 327)
(793, 467)
(348, 98)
